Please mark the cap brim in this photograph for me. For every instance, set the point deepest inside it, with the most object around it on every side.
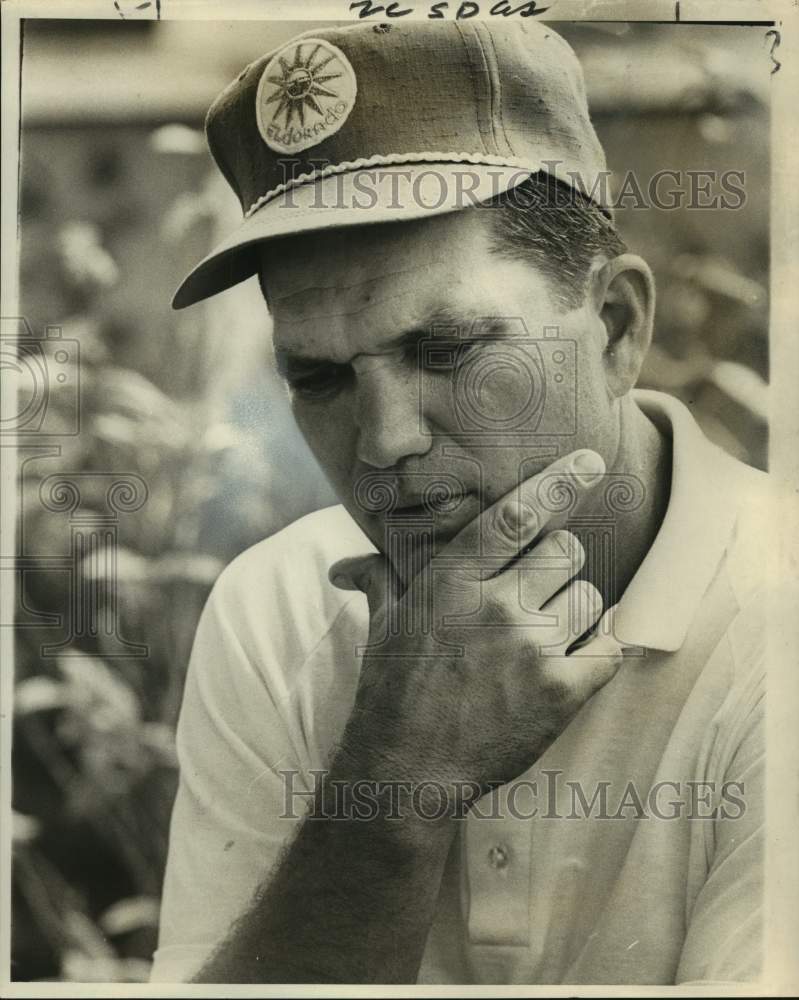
(359, 197)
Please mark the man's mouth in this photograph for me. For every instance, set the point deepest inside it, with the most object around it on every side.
(444, 519)
(432, 505)
(420, 503)
(410, 510)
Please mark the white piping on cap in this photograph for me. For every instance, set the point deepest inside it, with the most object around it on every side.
(380, 160)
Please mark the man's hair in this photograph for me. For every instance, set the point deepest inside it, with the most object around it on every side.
(552, 226)
(557, 229)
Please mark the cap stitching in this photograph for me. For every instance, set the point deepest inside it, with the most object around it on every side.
(499, 89)
(492, 86)
(389, 159)
(473, 76)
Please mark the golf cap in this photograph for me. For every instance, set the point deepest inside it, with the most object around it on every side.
(368, 123)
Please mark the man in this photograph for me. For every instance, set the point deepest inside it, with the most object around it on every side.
(496, 719)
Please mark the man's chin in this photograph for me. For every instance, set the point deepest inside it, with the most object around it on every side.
(410, 537)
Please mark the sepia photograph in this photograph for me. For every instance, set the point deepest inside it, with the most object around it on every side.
(399, 464)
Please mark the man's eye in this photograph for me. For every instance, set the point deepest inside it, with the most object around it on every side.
(320, 383)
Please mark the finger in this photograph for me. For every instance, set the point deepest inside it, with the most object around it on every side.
(584, 674)
(574, 610)
(502, 530)
(371, 574)
(543, 571)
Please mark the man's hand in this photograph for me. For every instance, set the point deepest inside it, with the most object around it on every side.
(353, 900)
(475, 701)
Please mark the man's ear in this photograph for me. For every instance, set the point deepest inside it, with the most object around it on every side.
(623, 292)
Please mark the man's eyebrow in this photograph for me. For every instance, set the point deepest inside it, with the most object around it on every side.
(289, 361)
(440, 323)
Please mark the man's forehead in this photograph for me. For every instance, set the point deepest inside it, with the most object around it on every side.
(333, 296)
(307, 295)
(317, 271)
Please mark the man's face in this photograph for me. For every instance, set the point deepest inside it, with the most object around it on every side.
(416, 355)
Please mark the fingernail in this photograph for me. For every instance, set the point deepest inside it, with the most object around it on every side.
(342, 582)
(588, 467)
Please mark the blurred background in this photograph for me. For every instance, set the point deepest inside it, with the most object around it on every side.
(118, 200)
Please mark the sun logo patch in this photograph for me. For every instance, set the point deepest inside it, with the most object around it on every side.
(304, 96)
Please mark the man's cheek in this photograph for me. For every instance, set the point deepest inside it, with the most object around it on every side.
(500, 392)
(332, 440)
(315, 422)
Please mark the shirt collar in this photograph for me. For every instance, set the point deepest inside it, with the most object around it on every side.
(661, 600)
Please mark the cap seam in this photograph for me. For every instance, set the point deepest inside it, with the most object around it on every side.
(494, 88)
(473, 76)
(495, 71)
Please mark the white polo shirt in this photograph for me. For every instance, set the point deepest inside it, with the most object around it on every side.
(646, 887)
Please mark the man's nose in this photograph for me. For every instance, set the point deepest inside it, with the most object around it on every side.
(389, 416)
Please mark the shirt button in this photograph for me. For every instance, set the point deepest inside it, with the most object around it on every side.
(498, 856)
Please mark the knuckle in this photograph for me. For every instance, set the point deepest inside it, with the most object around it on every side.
(598, 676)
(454, 578)
(547, 653)
(558, 689)
(532, 645)
(588, 598)
(513, 518)
(586, 683)
(494, 608)
(569, 544)
(556, 626)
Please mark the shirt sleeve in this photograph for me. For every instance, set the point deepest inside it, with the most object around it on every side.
(724, 940)
(233, 814)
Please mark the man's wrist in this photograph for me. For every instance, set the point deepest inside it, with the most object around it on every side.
(406, 814)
